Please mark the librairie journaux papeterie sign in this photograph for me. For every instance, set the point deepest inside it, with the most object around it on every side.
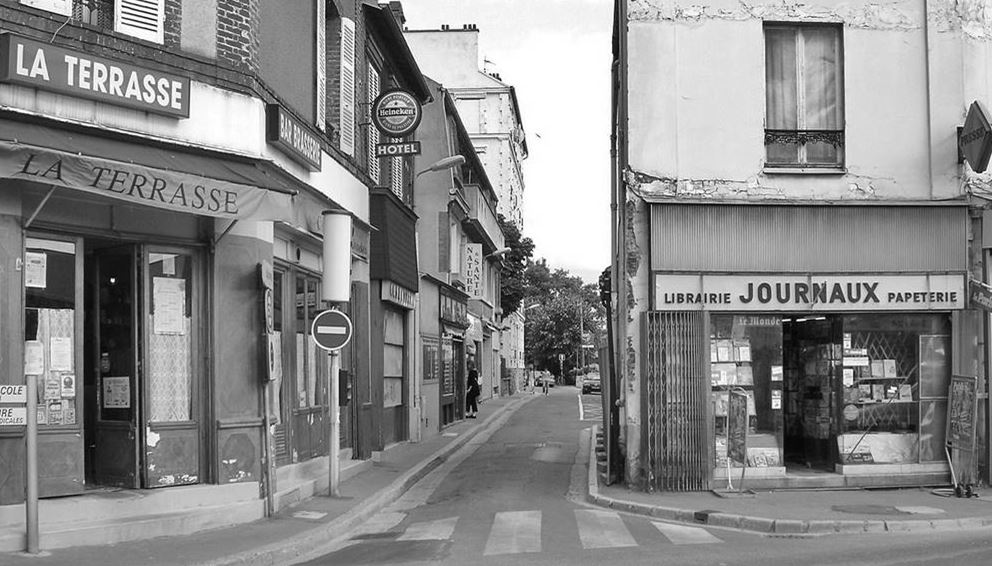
(789, 292)
(44, 66)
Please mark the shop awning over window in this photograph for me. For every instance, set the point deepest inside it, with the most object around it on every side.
(144, 174)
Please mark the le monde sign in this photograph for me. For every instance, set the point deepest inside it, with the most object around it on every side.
(787, 292)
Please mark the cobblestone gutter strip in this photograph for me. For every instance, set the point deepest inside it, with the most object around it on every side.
(307, 542)
(763, 525)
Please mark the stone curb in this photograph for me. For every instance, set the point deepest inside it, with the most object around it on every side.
(764, 525)
(299, 546)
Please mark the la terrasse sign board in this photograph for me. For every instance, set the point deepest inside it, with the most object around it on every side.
(790, 292)
(44, 66)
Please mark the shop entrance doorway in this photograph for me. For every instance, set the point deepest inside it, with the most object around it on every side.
(812, 358)
(111, 380)
(141, 374)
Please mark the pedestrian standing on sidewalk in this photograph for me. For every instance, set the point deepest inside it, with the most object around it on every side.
(472, 394)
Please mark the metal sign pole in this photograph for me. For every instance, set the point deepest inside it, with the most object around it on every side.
(31, 437)
(334, 438)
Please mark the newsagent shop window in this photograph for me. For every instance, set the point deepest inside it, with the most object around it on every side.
(832, 389)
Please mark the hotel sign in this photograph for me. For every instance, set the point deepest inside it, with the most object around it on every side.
(787, 292)
(36, 64)
(292, 136)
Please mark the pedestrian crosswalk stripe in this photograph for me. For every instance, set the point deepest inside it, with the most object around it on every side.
(602, 529)
(514, 532)
(683, 534)
(430, 530)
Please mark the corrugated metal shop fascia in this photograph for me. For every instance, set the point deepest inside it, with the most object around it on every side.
(808, 238)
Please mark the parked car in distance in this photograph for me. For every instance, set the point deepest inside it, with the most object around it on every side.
(591, 382)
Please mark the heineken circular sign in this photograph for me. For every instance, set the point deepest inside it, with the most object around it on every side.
(396, 113)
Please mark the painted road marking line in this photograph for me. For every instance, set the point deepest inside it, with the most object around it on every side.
(602, 529)
(430, 530)
(310, 515)
(582, 413)
(338, 330)
(682, 534)
(514, 532)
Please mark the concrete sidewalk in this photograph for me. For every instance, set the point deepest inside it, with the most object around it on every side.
(800, 512)
(301, 529)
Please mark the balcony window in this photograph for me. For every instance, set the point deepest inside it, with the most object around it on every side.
(804, 96)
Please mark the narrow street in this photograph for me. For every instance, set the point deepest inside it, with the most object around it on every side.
(514, 496)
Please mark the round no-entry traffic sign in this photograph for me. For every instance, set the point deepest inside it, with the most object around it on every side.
(331, 330)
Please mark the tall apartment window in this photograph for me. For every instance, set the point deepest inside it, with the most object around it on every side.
(804, 96)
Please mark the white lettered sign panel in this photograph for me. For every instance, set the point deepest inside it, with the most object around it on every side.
(789, 292)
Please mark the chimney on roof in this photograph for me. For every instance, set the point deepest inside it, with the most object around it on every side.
(397, 10)
(445, 27)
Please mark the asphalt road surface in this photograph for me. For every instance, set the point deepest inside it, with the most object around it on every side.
(514, 496)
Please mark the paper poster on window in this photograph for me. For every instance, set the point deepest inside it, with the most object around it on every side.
(169, 302)
(776, 399)
(116, 392)
(53, 385)
(36, 270)
(60, 353)
(68, 386)
(68, 413)
(34, 357)
(41, 414)
(55, 412)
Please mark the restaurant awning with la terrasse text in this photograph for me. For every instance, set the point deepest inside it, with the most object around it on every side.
(140, 173)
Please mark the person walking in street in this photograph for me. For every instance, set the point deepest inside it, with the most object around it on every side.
(472, 394)
(544, 383)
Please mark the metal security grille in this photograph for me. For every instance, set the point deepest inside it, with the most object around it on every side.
(675, 387)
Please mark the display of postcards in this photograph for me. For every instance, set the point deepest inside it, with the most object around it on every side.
(889, 368)
(713, 352)
(878, 392)
(745, 375)
(892, 392)
(742, 352)
(865, 390)
(876, 368)
(715, 376)
(720, 401)
(724, 351)
(725, 374)
(905, 392)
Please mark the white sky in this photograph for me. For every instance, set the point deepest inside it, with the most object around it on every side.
(557, 55)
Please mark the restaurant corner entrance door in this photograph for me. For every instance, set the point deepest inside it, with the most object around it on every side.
(142, 372)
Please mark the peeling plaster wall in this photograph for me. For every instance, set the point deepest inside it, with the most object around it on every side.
(697, 100)
(637, 281)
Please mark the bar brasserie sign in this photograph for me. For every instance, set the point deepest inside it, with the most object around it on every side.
(771, 292)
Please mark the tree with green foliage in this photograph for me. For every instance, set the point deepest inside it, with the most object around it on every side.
(559, 308)
(512, 284)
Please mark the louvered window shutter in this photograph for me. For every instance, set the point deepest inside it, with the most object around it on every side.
(321, 55)
(144, 19)
(347, 114)
(373, 131)
(396, 175)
